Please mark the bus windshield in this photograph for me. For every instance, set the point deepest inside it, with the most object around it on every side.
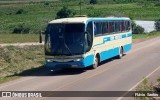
(64, 39)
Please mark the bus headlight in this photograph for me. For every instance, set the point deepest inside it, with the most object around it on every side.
(79, 59)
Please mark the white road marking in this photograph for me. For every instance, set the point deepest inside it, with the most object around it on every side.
(139, 82)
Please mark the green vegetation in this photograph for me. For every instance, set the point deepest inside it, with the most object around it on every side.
(93, 1)
(145, 86)
(136, 29)
(65, 13)
(157, 25)
(36, 15)
(15, 60)
(146, 35)
(21, 29)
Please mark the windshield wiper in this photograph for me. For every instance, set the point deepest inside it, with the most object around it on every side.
(66, 46)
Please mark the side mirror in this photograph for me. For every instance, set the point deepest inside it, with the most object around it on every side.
(86, 39)
(40, 36)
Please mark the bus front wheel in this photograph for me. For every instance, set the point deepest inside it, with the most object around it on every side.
(96, 61)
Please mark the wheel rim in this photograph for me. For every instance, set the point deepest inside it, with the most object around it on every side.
(121, 52)
(95, 63)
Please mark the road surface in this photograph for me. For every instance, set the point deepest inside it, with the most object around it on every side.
(113, 75)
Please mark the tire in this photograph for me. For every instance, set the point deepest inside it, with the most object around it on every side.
(120, 53)
(96, 62)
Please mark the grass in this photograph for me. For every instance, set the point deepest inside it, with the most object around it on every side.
(19, 38)
(37, 15)
(146, 35)
(15, 60)
(144, 86)
(142, 37)
(148, 86)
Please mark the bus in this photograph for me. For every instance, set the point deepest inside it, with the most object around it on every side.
(81, 42)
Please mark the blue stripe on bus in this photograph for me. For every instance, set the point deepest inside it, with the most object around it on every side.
(106, 39)
(127, 47)
(130, 34)
(109, 53)
(89, 60)
(124, 36)
(107, 19)
(113, 52)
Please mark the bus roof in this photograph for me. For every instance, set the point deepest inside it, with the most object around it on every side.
(85, 19)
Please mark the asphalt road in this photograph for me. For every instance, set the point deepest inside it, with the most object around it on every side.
(112, 75)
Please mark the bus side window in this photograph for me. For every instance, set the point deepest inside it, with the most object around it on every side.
(113, 27)
(116, 26)
(97, 28)
(105, 27)
(124, 26)
(121, 28)
(110, 27)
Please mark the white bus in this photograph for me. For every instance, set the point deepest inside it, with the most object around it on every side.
(81, 42)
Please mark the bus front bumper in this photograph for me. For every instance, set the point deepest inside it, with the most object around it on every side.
(57, 65)
(76, 63)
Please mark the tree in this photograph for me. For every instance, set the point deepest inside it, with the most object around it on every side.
(21, 29)
(65, 12)
(93, 1)
(20, 11)
(157, 25)
(136, 29)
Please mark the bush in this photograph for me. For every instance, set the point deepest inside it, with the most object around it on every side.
(94, 13)
(46, 3)
(157, 4)
(90, 7)
(136, 29)
(157, 25)
(93, 1)
(21, 29)
(20, 11)
(65, 12)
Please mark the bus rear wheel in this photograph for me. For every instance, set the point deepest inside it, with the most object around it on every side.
(120, 53)
(96, 62)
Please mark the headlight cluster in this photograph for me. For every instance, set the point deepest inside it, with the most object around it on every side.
(79, 59)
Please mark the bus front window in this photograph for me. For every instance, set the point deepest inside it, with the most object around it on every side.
(64, 39)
